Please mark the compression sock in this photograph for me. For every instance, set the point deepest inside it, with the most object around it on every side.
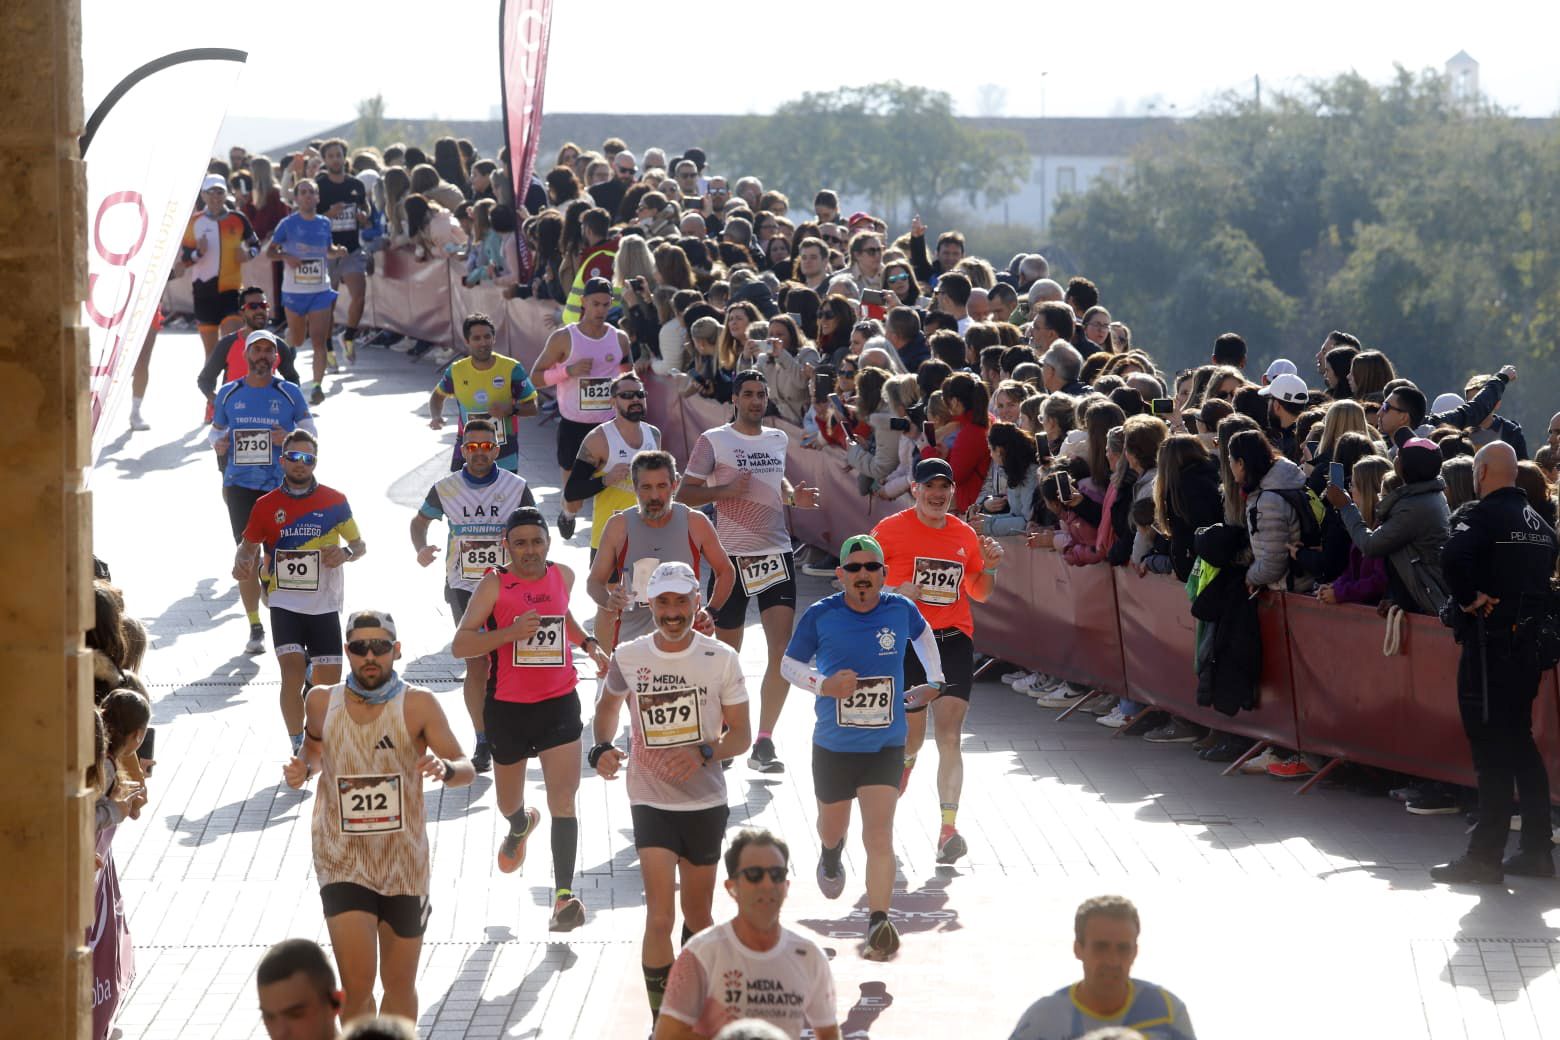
(254, 618)
(655, 985)
(949, 811)
(297, 742)
(565, 839)
(765, 734)
(518, 822)
(831, 858)
(481, 737)
(687, 933)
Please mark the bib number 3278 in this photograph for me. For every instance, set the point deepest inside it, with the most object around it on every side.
(871, 706)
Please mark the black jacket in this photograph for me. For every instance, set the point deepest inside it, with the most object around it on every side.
(1229, 637)
(1201, 504)
(1502, 548)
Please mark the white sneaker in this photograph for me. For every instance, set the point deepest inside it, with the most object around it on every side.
(441, 356)
(1014, 678)
(1115, 720)
(1259, 765)
(1063, 696)
(138, 423)
(1035, 681)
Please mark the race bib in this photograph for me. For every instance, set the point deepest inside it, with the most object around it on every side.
(252, 448)
(670, 718)
(478, 555)
(309, 272)
(347, 221)
(870, 707)
(595, 394)
(938, 580)
(297, 570)
(760, 572)
(370, 804)
(498, 424)
(545, 648)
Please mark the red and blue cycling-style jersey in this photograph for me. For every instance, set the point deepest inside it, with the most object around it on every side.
(293, 529)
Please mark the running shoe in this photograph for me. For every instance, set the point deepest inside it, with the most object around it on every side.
(1260, 763)
(511, 851)
(566, 525)
(1035, 683)
(821, 568)
(831, 885)
(951, 847)
(882, 941)
(1297, 768)
(568, 914)
(330, 360)
(482, 757)
(256, 644)
(1177, 731)
(419, 348)
(349, 348)
(1061, 696)
(317, 396)
(1433, 803)
(763, 757)
(1012, 678)
(1115, 720)
(136, 422)
(1469, 871)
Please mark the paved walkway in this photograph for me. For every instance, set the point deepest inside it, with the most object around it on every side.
(1270, 915)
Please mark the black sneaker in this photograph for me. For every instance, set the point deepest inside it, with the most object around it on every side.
(482, 757)
(1433, 803)
(882, 941)
(566, 525)
(763, 757)
(1468, 871)
(1531, 864)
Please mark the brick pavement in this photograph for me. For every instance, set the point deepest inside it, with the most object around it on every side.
(1254, 901)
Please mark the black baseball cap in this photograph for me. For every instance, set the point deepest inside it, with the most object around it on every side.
(596, 285)
(930, 469)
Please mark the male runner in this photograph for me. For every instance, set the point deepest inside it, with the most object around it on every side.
(687, 711)
(740, 467)
(751, 966)
(474, 500)
(226, 361)
(940, 562)
(302, 242)
(637, 540)
(520, 618)
(298, 526)
(216, 243)
(249, 419)
(485, 385)
(600, 469)
(582, 361)
(344, 199)
(297, 989)
(858, 639)
(374, 739)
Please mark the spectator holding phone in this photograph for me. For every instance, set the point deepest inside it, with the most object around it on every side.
(1009, 494)
(1364, 579)
(1186, 497)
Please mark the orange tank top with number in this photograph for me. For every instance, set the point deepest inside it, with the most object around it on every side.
(542, 667)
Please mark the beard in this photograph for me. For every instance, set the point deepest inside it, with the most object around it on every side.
(381, 676)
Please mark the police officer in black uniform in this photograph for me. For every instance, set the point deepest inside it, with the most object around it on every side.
(1498, 565)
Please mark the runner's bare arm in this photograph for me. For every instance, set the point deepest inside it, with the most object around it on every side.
(601, 570)
(738, 736)
(315, 702)
(555, 351)
(695, 493)
(710, 549)
(425, 552)
(470, 641)
(669, 1028)
(444, 755)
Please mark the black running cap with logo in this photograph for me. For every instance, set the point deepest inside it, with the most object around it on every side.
(596, 285)
(931, 469)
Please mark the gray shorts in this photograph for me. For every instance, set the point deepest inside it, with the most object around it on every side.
(355, 262)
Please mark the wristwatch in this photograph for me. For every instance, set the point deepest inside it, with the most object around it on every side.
(707, 752)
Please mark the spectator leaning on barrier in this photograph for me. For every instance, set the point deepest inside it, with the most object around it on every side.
(1272, 488)
(1008, 497)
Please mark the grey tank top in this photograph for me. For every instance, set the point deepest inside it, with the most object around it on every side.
(644, 549)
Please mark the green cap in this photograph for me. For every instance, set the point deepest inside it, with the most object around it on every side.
(861, 541)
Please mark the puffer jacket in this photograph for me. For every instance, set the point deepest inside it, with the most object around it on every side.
(1020, 500)
(1413, 525)
(1273, 524)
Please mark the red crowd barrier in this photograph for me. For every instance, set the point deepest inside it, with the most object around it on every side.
(1325, 688)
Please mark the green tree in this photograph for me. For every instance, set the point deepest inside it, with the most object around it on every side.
(370, 131)
(895, 143)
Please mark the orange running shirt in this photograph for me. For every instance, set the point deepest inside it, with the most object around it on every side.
(942, 562)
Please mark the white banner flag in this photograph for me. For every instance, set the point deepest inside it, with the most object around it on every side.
(146, 148)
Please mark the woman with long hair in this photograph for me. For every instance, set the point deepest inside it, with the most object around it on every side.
(562, 186)
(1364, 578)
(968, 456)
(1186, 497)
(1342, 417)
(1008, 496)
(547, 283)
(836, 319)
(1335, 372)
(734, 352)
(1369, 373)
(451, 164)
(1264, 479)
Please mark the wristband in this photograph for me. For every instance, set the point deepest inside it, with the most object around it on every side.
(989, 570)
(595, 753)
(449, 770)
(558, 373)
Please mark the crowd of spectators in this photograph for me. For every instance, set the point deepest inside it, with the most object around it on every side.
(1334, 476)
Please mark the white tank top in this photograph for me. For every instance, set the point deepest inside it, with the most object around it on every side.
(620, 452)
(588, 399)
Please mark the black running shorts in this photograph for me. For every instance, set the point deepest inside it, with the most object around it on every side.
(516, 732)
(316, 636)
(958, 661)
(212, 305)
(733, 613)
(240, 503)
(838, 774)
(407, 916)
(696, 835)
(571, 435)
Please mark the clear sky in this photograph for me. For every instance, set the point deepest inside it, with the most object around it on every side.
(440, 59)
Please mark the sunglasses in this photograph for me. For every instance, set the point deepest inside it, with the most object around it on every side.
(480, 445)
(364, 647)
(900, 277)
(756, 874)
(871, 567)
(305, 457)
(873, 251)
(255, 306)
(632, 395)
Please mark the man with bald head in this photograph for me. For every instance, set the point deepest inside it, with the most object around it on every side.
(1498, 566)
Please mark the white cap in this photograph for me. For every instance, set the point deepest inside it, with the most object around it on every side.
(1446, 402)
(1283, 366)
(672, 577)
(1074, 445)
(262, 334)
(213, 180)
(1288, 388)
